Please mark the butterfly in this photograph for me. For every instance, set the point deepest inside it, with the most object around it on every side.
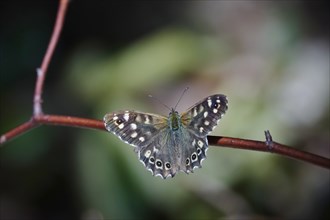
(166, 145)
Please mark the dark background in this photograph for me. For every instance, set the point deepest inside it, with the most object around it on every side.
(271, 58)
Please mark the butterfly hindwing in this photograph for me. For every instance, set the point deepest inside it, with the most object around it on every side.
(204, 116)
(171, 152)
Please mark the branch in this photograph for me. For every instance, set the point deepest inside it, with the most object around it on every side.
(51, 120)
(41, 75)
(275, 148)
(39, 118)
(213, 140)
(41, 72)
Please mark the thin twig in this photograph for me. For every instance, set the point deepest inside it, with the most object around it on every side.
(41, 72)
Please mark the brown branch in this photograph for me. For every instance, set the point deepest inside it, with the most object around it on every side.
(41, 72)
(275, 148)
(70, 121)
(51, 120)
(213, 140)
(41, 75)
(17, 131)
(39, 118)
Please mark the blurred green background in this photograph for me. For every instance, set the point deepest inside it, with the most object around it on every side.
(271, 58)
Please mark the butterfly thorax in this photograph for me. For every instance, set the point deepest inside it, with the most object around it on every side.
(174, 120)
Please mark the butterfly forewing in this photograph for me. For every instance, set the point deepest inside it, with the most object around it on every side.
(133, 127)
(204, 116)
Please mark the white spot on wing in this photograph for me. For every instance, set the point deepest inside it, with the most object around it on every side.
(138, 118)
(200, 143)
(195, 112)
(205, 114)
(134, 135)
(215, 110)
(141, 139)
(147, 120)
(147, 153)
(155, 150)
(209, 102)
(133, 126)
(121, 126)
(126, 116)
(206, 123)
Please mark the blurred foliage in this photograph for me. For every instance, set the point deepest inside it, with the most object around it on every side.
(270, 58)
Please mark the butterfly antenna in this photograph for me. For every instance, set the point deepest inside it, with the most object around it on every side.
(184, 91)
(150, 96)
